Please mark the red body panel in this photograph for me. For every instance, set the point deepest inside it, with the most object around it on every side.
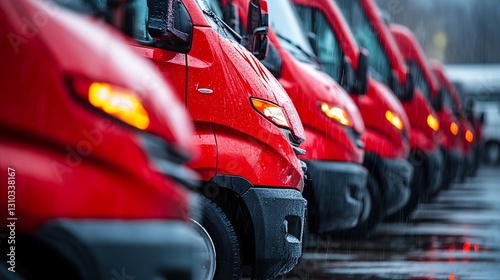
(234, 138)
(381, 137)
(71, 160)
(308, 87)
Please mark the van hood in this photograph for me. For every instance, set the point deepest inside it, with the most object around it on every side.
(391, 102)
(327, 90)
(93, 42)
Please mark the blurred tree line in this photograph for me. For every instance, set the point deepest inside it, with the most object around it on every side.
(453, 31)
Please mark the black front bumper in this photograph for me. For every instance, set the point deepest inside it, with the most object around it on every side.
(452, 165)
(278, 217)
(100, 249)
(394, 176)
(335, 195)
(435, 166)
(397, 176)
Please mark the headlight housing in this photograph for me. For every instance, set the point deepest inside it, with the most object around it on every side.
(469, 136)
(336, 113)
(454, 128)
(118, 102)
(432, 122)
(394, 119)
(274, 113)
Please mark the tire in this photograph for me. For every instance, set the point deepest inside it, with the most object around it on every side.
(417, 193)
(221, 232)
(371, 214)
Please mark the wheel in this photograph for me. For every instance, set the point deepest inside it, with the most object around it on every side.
(417, 193)
(222, 259)
(371, 213)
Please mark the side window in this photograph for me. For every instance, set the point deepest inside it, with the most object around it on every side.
(329, 51)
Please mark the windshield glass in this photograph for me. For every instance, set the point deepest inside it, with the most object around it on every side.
(420, 80)
(284, 22)
(329, 52)
(447, 101)
(366, 38)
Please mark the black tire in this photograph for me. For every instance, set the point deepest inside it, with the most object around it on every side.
(417, 193)
(224, 238)
(369, 219)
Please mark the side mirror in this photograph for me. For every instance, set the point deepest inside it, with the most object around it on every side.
(273, 62)
(396, 87)
(256, 40)
(409, 91)
(439, 100)
(361, 85)
(482, 118)
(348, 77)
(170, 25)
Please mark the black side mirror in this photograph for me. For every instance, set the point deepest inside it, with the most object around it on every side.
(439, 100)
(348, 77)
(409, 91)
(170, 25)
(361, 85)
(273, 62)
(482, 118)
(396, 87)
(256, 40)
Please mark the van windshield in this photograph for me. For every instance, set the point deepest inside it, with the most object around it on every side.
(285, 24)
(366, 38)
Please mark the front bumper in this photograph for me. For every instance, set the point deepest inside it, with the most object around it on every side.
(278, 217)
(396, 174)
(435, 166)
(100, 249)
(336, 195)
(452, 165)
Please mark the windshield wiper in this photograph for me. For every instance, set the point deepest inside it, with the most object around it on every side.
(220, 22)
(306, 53)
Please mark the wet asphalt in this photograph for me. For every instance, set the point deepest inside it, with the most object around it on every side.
(454, 237)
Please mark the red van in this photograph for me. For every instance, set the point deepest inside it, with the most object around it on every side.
(248, 132)
(449, 120)
(91, 192)
(370, 31)
(387, 126)
(333, 125)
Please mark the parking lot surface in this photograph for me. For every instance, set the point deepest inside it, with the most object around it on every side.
(455, 237)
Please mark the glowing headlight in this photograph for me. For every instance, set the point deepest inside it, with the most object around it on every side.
(271, 111)
(432, 122)
(394, 120)
(336, 113)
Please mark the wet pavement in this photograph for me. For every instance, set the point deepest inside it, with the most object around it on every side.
(456, 237)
